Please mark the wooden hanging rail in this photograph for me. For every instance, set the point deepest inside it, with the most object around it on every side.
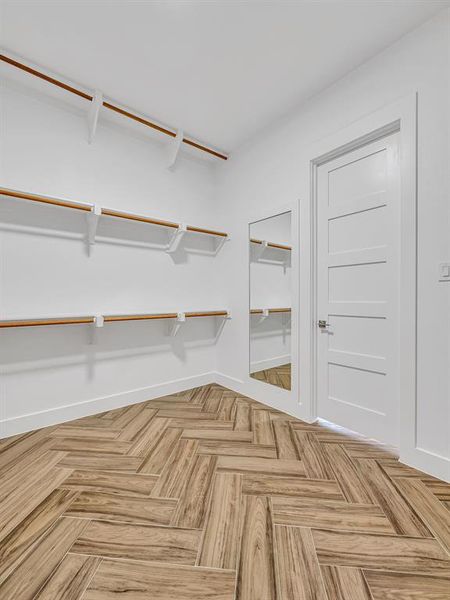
(271, 244)
(109, 105)
(41, 322)
(45, 199)
(108, 212)
(107, 318)
(260, 311)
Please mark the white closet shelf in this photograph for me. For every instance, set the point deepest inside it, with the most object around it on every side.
(110, 105)
(271, 244)
(108, 212)
(111, 318)
(260, 311)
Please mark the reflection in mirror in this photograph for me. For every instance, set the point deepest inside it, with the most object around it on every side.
(270, 300)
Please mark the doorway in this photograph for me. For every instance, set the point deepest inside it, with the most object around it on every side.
(358, 205)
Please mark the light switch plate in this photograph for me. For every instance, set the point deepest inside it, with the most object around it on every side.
(444, 271)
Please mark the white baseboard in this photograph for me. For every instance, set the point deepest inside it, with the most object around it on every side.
(269, 363)
(423, 460)
(61, 414)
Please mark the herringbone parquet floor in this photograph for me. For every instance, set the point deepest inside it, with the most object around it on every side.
(209, 495)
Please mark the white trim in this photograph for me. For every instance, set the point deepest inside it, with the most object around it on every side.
(61, 414)
(269, 363)
(269, 393)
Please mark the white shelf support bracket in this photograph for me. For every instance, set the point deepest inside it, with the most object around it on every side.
(262, 248)
(221, 323)
(175, 149)
(220, 242)
(92, 218)
(98, 322)
(175, 324)
(176, 238)
(94, 111)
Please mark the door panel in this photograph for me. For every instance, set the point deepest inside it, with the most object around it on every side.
(358, 239)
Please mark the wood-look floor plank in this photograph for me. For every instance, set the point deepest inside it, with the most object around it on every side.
(70, 579)
(89, 445)
(353, 484)
(233, 448)
(26, 580)
(192, 506)
(345, 583)
(27, 475)
(227, 409)
(385, 552)
(256, 578)
(242, 416)
(159, 454)
(22, 447)
(313, 456)
(138, 425)
(273, 485)
(188, 415)
(222, 531)
(139, 542)
(403, 518)
(243, 464)
(203, 424)
(428, 507)
(152, 581)
(130, 509)
(286, 448)
(19, 543)
(100, 462)
(298, 575)
(145, 442)
(329, 514)
(18, 506)
(176, 471)
(128, 484)
(63, 431)
(262, 428)
(406, 586)
(220, 435)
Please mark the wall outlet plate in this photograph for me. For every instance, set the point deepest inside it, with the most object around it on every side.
(444, 271)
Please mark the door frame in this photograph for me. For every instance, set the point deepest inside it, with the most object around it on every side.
(398, 117)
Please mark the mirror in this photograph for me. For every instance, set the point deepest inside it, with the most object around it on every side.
(270, 300)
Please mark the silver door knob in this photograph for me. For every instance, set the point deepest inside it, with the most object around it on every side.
(323, 324)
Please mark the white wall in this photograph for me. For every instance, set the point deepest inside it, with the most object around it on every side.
(54, 373)
(273, 170)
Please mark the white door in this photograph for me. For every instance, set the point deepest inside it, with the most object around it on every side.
(358, 240)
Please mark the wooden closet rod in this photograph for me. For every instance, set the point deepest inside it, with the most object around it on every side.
(271, 244)
(259, 311)
(107, 318)
(109, 105)
(38, 322)
(109, 212)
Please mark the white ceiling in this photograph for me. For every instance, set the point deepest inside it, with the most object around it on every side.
(221, 70)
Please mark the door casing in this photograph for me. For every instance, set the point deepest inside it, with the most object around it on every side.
(398, 117)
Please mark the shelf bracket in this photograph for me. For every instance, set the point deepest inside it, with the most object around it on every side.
(220, 242)
(92, 219)
(94, 111)
(175, 149)
(176, 238)
(262, 248)
(98, 322)
(174, 325)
